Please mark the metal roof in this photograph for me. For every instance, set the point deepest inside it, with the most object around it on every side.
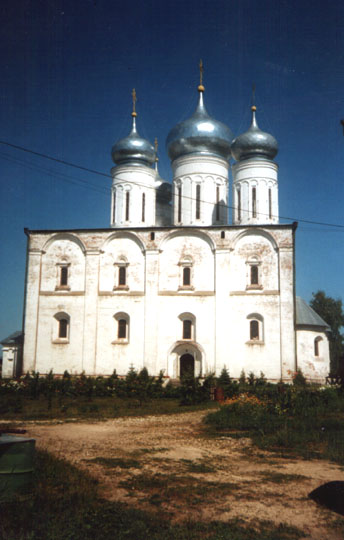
(306, 316)
(13, 339)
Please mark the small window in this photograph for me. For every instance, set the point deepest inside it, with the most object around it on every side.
(270, 205)
(179, 191)
(186, 276)
(64, 276)
(254, 330)
(217, 203)
(317, 346)
(187, 329)
(114, 207)
(143, 207)
(254, 275)
(254, 202)
(127, 203)
(152, 236)
(198, 201)
(122, 276)
(63, 328)
(122, 329)
(239, 203)
(223, 234)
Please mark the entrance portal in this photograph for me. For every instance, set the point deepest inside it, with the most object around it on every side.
(187, 365)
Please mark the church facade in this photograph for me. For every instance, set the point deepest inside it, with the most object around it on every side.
(171, 285)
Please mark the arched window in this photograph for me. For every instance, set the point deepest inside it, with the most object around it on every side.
(61, 328)
(256, 328)
(317, 346)
(188, 325)
(63, 275)
(254, 274)
(122, 327)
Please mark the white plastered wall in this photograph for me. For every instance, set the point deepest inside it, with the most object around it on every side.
(314, 368)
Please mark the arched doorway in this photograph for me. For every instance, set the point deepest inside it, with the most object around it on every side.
(187, 364)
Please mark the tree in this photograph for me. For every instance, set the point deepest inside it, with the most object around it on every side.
(331, 311)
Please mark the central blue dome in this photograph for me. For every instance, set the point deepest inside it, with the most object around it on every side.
(199, 134)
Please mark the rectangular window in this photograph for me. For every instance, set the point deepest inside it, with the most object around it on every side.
(179, 191)
(64, 276)
(114, 207)
(254, 275)
(254, 330)
(122, 276)
(122, 329)
(127, 202)
(63, 328)
(270, 205)
(254, 202)
(186, 276)
(239, 203)
(198, 201)
(217, 203)
(187, 325)
(143, 207)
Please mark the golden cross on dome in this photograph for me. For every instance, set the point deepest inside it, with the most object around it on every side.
(253, 107)
(134, 113)
(201, 69)
(156, 144)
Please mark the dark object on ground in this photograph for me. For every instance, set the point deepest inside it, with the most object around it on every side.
(330, 495)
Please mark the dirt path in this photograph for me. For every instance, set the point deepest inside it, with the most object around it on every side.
(166, 463)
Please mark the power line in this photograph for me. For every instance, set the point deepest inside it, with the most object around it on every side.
(98, 188)
(55, 159)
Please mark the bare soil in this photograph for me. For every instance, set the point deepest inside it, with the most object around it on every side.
(168, 464)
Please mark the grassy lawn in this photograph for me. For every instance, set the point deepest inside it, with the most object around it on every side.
(64, 504)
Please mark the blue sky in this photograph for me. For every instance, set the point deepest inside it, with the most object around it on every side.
(67, 71)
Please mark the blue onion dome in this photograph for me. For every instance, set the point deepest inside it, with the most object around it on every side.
(133, 149)
(199, 134)
(254, 143)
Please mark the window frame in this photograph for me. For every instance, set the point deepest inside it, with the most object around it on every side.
(186, 268)
(59, 328)
(63, 267)
(188, 326)
(121, 266)
(122, 328)
(255, 329)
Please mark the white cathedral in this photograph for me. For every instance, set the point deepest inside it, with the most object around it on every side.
(171, 285)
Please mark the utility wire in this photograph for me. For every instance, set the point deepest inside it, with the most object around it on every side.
(98, 188)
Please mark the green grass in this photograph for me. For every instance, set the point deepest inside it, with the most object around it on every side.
(65, 504)
(312, 434)
(98, 409)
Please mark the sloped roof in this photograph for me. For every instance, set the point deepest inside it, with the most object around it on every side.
(13, 339)
(306, 316)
